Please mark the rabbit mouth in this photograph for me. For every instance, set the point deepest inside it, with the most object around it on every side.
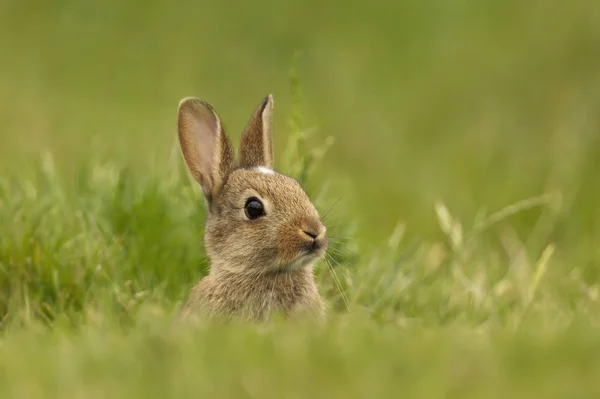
(304, 259)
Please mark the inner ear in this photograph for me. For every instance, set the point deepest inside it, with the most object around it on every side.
(256, 147)
(206, 148)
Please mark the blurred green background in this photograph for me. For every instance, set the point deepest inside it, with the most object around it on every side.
(478, 104)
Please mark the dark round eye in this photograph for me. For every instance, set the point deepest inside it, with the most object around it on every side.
(254, 208)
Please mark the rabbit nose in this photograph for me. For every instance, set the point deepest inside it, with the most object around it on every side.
(318, 237)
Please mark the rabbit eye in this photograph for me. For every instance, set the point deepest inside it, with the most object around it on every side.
(254, 208)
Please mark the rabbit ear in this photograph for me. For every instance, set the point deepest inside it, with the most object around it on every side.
(206, 149)
(257, 144)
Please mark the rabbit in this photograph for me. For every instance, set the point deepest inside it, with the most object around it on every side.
(262, 233)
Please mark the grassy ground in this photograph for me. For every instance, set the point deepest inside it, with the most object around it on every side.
(454, 147)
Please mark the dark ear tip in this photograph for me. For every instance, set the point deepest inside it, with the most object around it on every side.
(267, 101)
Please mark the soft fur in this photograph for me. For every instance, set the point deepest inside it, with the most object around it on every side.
(259, 267)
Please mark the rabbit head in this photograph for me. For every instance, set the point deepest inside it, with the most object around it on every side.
(258, 220)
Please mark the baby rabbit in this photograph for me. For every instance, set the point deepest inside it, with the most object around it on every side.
(262, 235)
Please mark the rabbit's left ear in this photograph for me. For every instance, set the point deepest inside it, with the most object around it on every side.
(257, 143)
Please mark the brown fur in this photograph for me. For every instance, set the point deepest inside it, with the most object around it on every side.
(258, 267)
(254, 297)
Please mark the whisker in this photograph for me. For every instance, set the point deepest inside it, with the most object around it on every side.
(331, 221)
(337, 263)
(338, 284)
(335, 240)
(335, 251)
(331, 207)
(341, 252)
(340, 241)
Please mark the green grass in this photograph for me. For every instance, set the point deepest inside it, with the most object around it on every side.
(453, 146)
(349, 359)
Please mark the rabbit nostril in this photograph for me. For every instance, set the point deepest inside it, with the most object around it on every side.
(310, 234)
(317, 241)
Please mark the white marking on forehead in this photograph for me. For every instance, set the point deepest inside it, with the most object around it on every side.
(265, 171)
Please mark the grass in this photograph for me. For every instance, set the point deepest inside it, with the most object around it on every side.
(349, 359)
(93, 273)
(452, 150)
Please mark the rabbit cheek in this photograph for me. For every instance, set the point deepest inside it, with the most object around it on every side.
(214, 236)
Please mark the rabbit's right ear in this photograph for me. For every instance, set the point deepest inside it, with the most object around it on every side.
(256, 147)
(206, 149)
